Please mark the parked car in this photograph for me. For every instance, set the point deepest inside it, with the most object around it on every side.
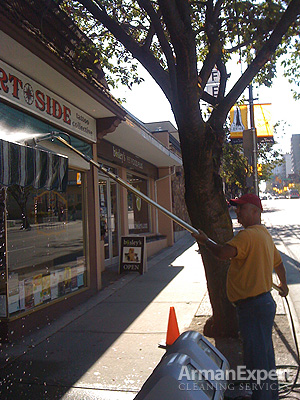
(293, 194)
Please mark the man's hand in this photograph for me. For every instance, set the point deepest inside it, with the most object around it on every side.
(201, 237)
(280, 271)
(283, 290)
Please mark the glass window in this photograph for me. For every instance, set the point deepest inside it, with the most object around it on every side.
(109, 218)
(138, 209)
(45, 244)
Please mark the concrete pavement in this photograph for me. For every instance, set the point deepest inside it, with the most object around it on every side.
(107, 347)
(287, 242)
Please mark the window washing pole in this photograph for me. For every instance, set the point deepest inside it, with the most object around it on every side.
(125, 184)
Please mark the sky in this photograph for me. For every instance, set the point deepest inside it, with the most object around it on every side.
(148, 103)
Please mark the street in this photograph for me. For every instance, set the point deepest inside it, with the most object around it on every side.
(282, 218)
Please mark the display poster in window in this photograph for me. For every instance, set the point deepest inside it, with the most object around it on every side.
(61, 282)
(46, 287)
(54, 284)
(74, 283)
(13, 293)
(22, 294)
(29, 299)
(68, 279)
(38, 289)
(80, 271)
(133, 254)
(2, 305)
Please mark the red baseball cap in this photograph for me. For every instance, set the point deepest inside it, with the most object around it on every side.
(247, 198)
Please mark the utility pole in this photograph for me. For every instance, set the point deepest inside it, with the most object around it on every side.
(254, 140)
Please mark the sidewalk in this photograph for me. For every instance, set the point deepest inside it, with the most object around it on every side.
(107, 347)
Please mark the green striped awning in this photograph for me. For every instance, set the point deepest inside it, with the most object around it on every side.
(27, 166)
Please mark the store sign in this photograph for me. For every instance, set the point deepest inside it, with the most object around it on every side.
(128, 159)
(27, 94)
(133, 254)
(120, 156)
(213, 83)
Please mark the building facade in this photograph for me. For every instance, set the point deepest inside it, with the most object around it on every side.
(295, 152)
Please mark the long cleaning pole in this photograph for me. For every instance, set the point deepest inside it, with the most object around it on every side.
(125, 184)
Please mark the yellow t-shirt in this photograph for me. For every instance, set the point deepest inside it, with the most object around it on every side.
(250, 271)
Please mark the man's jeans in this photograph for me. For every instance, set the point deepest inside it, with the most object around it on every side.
(256, 318)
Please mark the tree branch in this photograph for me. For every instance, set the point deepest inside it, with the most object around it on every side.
(147, 6)
(208, 98)
(265, 53)
(208, 65)
(217, 8)
(143, 55)
(223, 79)
(184, 12)
(182, 38)
(149, 37)
(174, 22)
(238, 46)
(215, 50)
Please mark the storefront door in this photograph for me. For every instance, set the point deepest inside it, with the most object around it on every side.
(109, 219)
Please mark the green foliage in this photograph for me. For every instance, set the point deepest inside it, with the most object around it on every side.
(116, 61)
(292, 66)
(226, 27)
(235, 168)
(269, 158)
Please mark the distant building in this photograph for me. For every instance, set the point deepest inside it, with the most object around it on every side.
(288, 164)
(295, 153)
(280, 170)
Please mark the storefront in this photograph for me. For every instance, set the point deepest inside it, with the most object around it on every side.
(60, 219)
(45, 224)
(132, 153)
(43, 197)
(49, 203)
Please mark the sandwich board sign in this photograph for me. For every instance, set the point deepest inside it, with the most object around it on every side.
(133, 254)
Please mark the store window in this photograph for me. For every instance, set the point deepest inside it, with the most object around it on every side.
(109, 216)
(138, 209)
(46, 257)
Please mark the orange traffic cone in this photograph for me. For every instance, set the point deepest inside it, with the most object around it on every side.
(173, 331)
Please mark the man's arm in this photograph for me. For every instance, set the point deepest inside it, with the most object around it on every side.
(280, 272)
(223, 252)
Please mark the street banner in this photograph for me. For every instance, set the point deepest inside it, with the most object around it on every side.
(263, 121)
(238, 122)
(133, 254)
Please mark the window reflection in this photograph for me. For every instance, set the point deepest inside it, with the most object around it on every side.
(45, 244)
(138, 210)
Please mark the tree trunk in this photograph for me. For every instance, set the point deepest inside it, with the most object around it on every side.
(201, 146)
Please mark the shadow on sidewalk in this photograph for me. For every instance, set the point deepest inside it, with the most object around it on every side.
(66, 358)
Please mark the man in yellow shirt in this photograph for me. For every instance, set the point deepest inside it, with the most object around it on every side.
(253, 257)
